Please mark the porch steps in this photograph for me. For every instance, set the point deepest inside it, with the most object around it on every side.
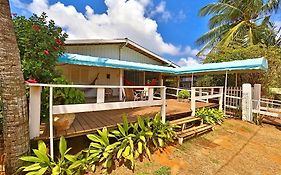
(184, 120)
(193, 131)
(189, 127)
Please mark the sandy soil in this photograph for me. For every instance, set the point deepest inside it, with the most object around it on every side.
(235, 148)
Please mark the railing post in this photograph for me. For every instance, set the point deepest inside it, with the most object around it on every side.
(256, 95)
(150, 94)
(51, 123)
(163, 107)
(221, 98)
(121, 83)
(34, 111)
(247, 102)
(100, 95)
(193, 101)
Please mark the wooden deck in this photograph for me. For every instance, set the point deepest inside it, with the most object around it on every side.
(89, 122)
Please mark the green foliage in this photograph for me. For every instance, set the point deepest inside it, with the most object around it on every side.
(235, 22)
(41, 162)
(184, 94)
(163, 171)
(126, 143)
(60, 96)
(210, 115)
(40, 43)
(101, 150)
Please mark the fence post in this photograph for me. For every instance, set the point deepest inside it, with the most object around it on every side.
(163, 107)
(256, 95)
(247, 114)
(100, 95)
(221, 98)
(193, 102)
(34, 111)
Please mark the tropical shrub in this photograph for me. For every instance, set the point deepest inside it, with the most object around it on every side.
(42, 163)
(210, 115)
(126, 143)
(184, 94)
(40, 43)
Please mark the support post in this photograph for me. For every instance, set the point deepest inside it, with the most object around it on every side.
(192, 79)
(51, 123)
(178, 81)
(100, 95)
(225, 90)
(163, 107)
(247, 102)
(193, 102)
(236, 80)
(221, 98)
(34, 111)
(150, 94)
(121, 83)
(256, 96)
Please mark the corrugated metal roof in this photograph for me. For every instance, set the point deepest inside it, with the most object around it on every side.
(241, 65)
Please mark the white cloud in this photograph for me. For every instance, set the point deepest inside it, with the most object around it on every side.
(123, 18)
(161, 10)
(187, 61)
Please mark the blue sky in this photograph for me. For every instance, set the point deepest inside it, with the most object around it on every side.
(167, 27)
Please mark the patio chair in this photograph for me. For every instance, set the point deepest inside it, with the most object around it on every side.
(130, 95)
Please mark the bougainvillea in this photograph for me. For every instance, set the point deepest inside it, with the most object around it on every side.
(40, 43)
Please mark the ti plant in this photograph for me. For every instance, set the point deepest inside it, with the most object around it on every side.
(41, 162)
(101, 149)
(126, 138)
(163, 133)
(210, 116)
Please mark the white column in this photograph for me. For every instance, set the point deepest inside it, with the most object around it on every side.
(193, 102)
(256, 96)
(247, 102)
(225, 90)
(163, 107)
(100, 95)
(51, 123)
(34, 111)
(121, 83)
(161, 80)
(192, 80)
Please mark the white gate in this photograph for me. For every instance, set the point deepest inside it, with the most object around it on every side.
(233, 101)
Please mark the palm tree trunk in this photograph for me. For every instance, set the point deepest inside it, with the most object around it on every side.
(16, 132)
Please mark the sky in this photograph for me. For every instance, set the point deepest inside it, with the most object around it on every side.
(166, 27)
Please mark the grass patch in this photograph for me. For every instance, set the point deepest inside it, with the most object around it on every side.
(142, 173)
(248, 129)
(164, 170)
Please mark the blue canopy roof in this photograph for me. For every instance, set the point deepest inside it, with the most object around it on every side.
(241, 65)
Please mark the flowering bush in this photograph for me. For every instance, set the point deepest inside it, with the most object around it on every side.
(40, 43)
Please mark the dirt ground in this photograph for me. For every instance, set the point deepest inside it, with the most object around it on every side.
(235, 148)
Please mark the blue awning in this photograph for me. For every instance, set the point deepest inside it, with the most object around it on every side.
(241, 65)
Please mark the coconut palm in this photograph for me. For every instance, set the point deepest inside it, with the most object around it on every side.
(238, 21)
(16, 136)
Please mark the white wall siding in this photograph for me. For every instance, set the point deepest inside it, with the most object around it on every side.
(85, 75)
(111, 51)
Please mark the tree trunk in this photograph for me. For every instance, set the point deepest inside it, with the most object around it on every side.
(16, 132)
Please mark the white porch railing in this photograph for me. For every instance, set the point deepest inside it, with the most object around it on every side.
(174, 92)
(209, 93)
(268, 107)
(99, 105)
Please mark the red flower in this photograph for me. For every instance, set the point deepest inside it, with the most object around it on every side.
(46, 52)
(36, 27)
(31, 81)
(58, 41)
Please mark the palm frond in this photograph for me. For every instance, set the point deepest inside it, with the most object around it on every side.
(217, 8)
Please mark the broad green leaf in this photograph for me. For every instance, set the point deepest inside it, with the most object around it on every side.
(42, 147)
(32, 167)
(140, 147)
(126, 152)
(31, 159)
(75, 165)
(41, 156)
(62, 146)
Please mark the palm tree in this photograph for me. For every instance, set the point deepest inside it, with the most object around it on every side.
(16, 136)
(237, 21)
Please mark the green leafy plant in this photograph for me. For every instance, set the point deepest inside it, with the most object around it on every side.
(42, 163)
(101, 150)
(163, 133)
(210, 115)
(184, 94)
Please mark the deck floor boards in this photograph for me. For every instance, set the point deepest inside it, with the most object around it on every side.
(89, 122)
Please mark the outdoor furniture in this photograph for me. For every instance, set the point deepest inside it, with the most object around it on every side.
(131, 95)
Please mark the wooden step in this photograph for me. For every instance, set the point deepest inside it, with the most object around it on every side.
(193, 132)
(184, 120)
